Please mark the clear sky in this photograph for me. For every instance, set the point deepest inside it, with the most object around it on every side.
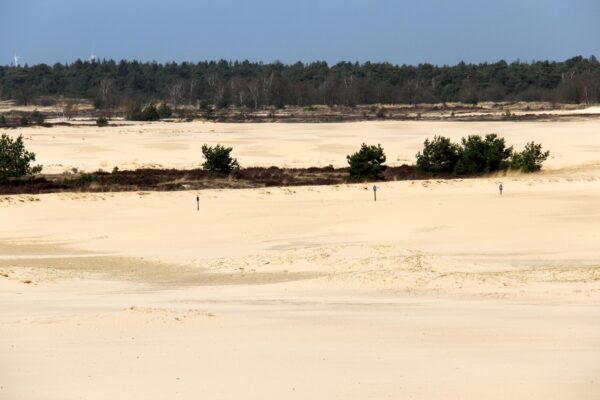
(400, 32)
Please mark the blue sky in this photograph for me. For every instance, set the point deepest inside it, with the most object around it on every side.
(400, 32)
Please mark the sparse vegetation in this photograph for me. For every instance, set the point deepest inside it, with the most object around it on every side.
(218, 159)
(101, 121)
(37, 117)
(164, 111)
(15, 160)
(367, 163)
(207, 110)
(148, 113)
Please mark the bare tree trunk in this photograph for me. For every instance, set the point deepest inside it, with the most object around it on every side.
(193, 83)
(254, 89)
(176, 92)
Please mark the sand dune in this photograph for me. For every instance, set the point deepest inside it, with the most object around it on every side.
(178, 145)
(440, 289)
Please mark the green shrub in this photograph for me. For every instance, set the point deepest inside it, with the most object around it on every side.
(89, 178)
(136, 113)
(367, 163)
(439, 155)
(530, 159)
(37, 117)
(164, 111)
(479, 155)
(381, 113)
(150, 113)
(218, 159)
(223, 103)
(24, 121)
(207, 110)
(102, 121)
(98, 103)
(15, 161)
(476, 155)
(2, 120)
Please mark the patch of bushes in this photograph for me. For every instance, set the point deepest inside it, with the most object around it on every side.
(439, 155)
(207, 110)
(102, 121)
(164, 111)
(89, 178)
(483, 155)
(37, 117)
(15, 160)
(476, 155)
(2, 120)
(148, 113)
(218, 159)
(367, 163)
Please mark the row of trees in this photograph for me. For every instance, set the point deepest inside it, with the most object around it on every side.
(255, 85)
(476, 155)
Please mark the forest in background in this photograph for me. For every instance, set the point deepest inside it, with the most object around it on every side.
(110, 84)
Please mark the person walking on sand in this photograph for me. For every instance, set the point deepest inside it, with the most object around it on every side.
(197, 203)
(500, 188)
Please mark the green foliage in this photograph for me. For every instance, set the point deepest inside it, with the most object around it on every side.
(24, 121)
(2, 120)
(530, 159)
(479, 155)
(164, 111)
(148, 113)
(222, 103)
(367, 163)
(218, 159)
(207, 110)
(263, 85)
(15, 161)
(476, 155)
(89, 178)
(37, 117)
(381, 113)
(439, 155)
(102, 121)
(98, 103)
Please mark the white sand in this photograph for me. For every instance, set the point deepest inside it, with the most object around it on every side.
(292, 145)
(438, 290)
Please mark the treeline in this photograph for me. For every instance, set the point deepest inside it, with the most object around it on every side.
(256, 85)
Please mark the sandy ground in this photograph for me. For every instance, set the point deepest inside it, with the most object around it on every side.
(439, 290)
(179, 145)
